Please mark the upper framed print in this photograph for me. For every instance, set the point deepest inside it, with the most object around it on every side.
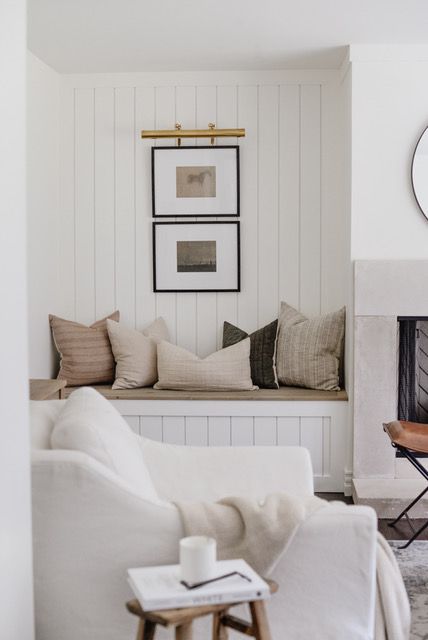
(196, 256)
(195, 181)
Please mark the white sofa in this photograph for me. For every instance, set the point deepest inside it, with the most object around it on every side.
(89, 526)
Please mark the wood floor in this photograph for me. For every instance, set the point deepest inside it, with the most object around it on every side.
(401, 531)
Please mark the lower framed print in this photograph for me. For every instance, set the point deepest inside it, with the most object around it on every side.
(196, 256)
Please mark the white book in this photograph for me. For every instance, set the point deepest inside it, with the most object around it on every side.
(160, 588)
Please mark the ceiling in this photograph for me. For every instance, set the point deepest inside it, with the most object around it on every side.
(84, 36)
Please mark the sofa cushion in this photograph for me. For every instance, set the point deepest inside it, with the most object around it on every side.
(309, 350)
(135, 353)
(89, 423)
(262, 353)
(85, 352)
(43, 415)
(228, 369)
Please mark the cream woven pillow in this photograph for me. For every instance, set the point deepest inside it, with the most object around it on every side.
(135, 353)
(228, 369)
(309, 350)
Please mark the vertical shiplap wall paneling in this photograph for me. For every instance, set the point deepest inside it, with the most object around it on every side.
(84, 208)
(268, 203)
(166, 303)
(290, 200)
(289, 195)
(248, 119)
(310, 194)
(125, 145)
(185, 111)
(145, 298)
(227, 111)
(67, 289)
(206, 111)
(104, 201)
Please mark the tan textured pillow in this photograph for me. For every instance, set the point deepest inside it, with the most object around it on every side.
(135, 353)
(228, 369)
(85, 352)
(309, 350)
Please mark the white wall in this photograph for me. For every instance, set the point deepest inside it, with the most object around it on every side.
(292, 221)
(42, 211)
(389, 112)
(16, 600)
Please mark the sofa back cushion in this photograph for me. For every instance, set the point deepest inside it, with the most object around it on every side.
(227, 369)
(89, 423)
(43, 415)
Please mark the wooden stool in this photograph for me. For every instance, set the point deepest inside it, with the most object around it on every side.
(181, 619)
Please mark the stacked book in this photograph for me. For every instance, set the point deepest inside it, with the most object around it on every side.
(159, 588)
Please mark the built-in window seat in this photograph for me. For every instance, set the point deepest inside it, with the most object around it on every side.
(317, 420)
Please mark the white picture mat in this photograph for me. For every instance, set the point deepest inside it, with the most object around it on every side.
(226, 237)
(167, 160)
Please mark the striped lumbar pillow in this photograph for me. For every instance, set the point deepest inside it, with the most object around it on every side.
(225, 370)
(85, 352)
(309, 349)
(262, 354)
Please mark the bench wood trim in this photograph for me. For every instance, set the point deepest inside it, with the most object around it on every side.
(282, 394)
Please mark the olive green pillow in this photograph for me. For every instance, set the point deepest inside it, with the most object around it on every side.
(262, 353)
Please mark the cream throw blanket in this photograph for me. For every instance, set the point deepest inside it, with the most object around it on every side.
(260, 532)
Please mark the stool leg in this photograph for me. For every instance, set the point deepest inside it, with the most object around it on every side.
(183, 632)
(259, 620)
(146, 630)
(219, 631)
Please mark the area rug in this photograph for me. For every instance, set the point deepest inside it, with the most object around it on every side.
(413, 563)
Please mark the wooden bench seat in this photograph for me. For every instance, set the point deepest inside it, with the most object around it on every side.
(283, 393)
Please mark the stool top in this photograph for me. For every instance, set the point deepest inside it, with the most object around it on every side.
(176, 617)
(410, 435)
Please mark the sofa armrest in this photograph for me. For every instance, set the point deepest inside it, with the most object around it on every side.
(210, 473)
(327, 576)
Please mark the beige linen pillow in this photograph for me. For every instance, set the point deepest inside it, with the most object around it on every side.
(135, 353)
(228, 369)
(309, 350)
(85, 352)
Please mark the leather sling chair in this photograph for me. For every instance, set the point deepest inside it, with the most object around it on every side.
(410, 438)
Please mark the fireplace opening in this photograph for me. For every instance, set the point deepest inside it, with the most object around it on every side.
(413, 369)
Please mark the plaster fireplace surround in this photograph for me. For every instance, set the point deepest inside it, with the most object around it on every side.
(383, 291)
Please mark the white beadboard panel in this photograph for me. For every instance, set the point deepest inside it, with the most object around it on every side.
(310, 195)
(174, 430)
(248, 102)
(67, 238)
(265, 431)
(166, 303)
(268, 204)
(84, 206)
(185, 113)
(311, 437)
(219, 429)
(290, 199)
(289, 196)
(134, 423)
(151, 427)
(104, 201)
(196, 431)
(227, 116)
(242, 431)
(125, 145)
(326, 445)
(289, 431)
(145, 299)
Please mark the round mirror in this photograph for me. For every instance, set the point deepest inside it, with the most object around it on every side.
(420, 173)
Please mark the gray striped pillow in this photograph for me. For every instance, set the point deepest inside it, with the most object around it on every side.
(85, 352)
(309, 349)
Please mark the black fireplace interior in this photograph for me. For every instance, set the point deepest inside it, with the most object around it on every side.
(413, 370)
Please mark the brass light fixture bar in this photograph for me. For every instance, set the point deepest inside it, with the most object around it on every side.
(179, 133)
